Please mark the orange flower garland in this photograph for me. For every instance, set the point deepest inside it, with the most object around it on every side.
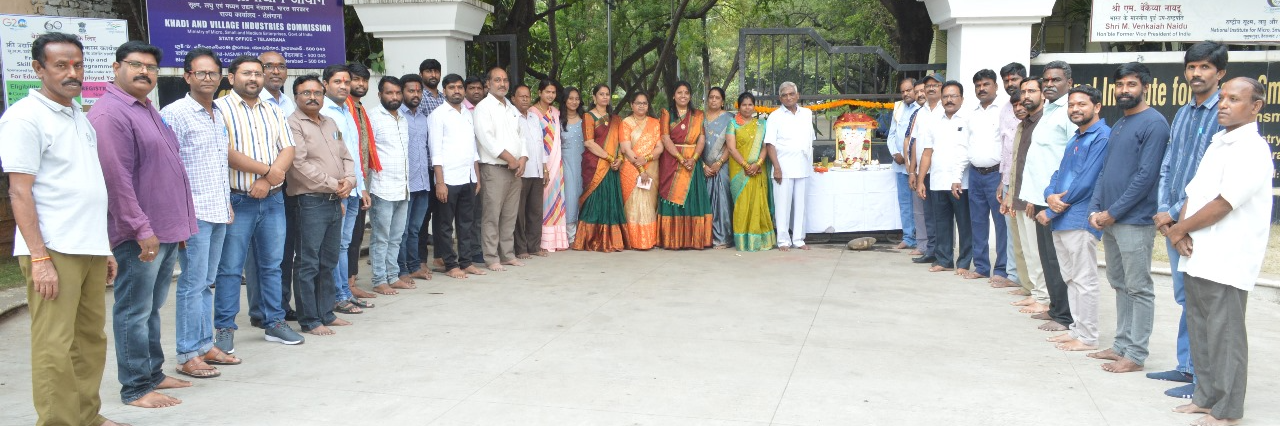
(834, 104)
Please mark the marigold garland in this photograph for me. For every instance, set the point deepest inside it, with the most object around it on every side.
(835, 104)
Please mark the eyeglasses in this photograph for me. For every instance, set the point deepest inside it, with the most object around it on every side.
(951, 96)
(640, 103)
(311, 94)
(207, 75)
(252, 74)
(276, 67)
(138, 66)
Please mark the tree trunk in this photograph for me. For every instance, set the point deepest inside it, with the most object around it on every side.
(915, 30)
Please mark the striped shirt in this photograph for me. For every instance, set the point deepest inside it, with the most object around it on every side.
(392, 133)
(202, 144)
(1192, 131)
(259, 132)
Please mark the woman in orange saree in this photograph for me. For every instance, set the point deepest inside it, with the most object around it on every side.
(601, 217)
(684, 213)
(641, 139)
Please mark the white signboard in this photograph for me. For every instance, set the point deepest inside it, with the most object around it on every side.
(100, 37)
(1232, 21)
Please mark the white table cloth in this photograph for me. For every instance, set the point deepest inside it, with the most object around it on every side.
(852, 201)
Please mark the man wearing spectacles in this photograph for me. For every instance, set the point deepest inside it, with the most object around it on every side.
(202, 142)
(150, 215)
(321, 179)
(276, 71)
(260, 153)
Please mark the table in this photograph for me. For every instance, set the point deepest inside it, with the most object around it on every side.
(852, 201)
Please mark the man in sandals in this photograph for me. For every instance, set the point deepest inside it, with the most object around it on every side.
(202, 142)
(322, 177)
(150, 216)
(59, 202)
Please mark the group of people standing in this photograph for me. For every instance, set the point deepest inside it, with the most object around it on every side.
(1053, 178)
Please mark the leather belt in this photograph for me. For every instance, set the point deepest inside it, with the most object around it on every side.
(988, 170)
(246, 193)
(323, 196)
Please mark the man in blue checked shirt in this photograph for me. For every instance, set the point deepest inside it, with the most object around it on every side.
(1193, 128)
(1068, 195)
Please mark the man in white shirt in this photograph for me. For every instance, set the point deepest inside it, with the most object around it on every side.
(502, 162)
(389, 188)
(59, 202)
(528, 237)
(903, 112)
(1222, 237)
(789, 137)
(930, 110)
(985, 144)
(945, 144)
(452, 139)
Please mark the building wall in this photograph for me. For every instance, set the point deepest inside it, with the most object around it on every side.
(76, 8)
(17, 7)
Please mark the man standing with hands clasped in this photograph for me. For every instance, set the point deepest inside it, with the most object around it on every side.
(1222, 236)
(500, 141)
(789, 138)
(149, 217)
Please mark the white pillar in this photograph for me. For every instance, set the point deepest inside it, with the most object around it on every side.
(986, 34)
(414, 30)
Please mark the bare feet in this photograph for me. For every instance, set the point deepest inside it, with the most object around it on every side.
(524, 256)
(804, 247)
(938, 268)
(321, 331)
(542, 253)
(900, 246)
(1024, 302)
(515, 262)
(963, 272)
(1034, 308)
(456, 273)
(404, 283)
(1060, 338)
(357, 291)
(385, 289)
(339, 323)
(1210, 420)
(784, 248)
(917, 252)
(1052, 326)
(1020, 292)
(155, 400)
(171, 382)
(1002, 282)
(1190, 409)
(473, 270)
(421, 274)
(1106, 354)
(496, 267)
(1043, 316)
(1123, 365)
(1075, 345)
(436, 265)
(971, 275)
(720, 247)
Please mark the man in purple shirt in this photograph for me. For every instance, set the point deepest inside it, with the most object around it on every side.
(149, 215)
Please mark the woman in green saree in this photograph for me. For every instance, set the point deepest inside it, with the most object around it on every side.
(749, 180)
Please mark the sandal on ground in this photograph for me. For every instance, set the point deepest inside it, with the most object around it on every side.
(221, 358)
(361, 303)
(199, 373)
(346, 307)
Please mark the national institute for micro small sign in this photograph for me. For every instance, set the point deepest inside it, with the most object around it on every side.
(246, 25)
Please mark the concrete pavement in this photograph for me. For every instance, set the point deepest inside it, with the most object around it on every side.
(823, 337)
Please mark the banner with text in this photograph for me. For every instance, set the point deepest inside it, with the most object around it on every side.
(309, 33)
(1237, 21)
(100, 37)
(1169, 91)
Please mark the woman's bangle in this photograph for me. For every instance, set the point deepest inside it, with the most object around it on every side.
(41, 259)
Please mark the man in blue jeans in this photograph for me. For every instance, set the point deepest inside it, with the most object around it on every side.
(984, 155)
(261, 152)
(149, 216)
(415, 111)
(337, 85)
(903, 111)
(202, 142)
(1205, 64)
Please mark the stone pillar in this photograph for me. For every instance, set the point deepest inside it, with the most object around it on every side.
(986, 34)
(413, 30)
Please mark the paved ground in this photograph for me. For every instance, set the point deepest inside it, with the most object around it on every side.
(824, 337)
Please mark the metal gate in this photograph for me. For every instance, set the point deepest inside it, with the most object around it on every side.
(486, 51)
(769, 56)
